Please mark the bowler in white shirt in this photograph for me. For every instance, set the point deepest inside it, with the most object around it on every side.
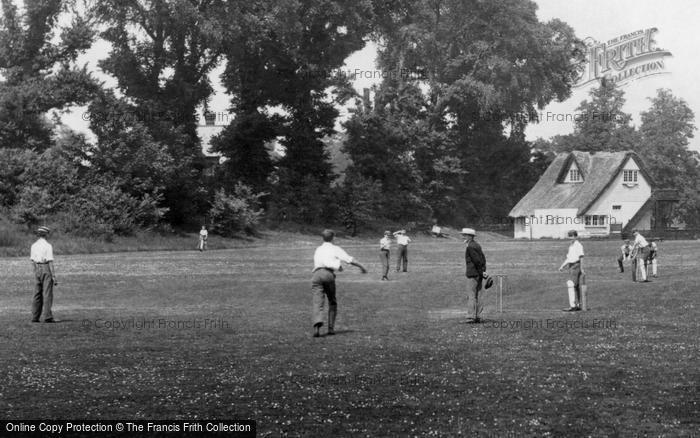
(327, 260)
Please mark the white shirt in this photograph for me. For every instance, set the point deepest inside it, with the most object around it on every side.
(385, 243)
(575, 252)
(329, 256)
(436, 229)
(640, 241)
(402, 239)
(203, 233)
(42, 251)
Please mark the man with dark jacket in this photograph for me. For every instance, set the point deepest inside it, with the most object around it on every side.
(476, 270)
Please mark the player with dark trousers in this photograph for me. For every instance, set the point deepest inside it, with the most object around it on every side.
(476, 271)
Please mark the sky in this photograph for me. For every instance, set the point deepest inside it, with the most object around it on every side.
(676, 21)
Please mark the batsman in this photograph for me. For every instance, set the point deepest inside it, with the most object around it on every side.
(574, 262)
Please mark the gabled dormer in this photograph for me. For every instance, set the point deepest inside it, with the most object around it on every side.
(630, 173)
(574, 174)
(571, 171)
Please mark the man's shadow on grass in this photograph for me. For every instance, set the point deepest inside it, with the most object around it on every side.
(337, 332)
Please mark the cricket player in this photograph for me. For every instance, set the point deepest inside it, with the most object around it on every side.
(574, 263)
(476, 271)
(203, 235)
(384, 251)
(625, 254)
(327, 260)
(653, 253)
(402, 240)
(41, 255)
(642, 251)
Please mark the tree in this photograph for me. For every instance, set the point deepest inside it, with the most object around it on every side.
(666, 130)
(244, 142)
(286, 58)
(462, 76)
(38, 70)
(381, 146)
(360, 201)
(125, 152)
(600, 124)
(162, 53)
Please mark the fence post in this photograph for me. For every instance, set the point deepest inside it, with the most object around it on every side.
(500, 294)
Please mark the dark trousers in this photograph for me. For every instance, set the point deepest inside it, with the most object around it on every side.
(403, 258)
(621, 259)
(575, 276)
(322, 287)
(43, 293)
(384, 258)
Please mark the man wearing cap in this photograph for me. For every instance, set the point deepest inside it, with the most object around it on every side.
(574, 261)
(384, 250)
(327, 260)
(41, 255)
(476, 270)
(402, 240)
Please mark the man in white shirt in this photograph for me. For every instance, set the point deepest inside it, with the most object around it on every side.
(653, 253)
(203, 235)
(327, 260)
(384, 251)
(41, 255)
(402, 240)
(642, 252)
(574, 261)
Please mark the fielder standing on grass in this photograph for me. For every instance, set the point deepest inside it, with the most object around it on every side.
(327, 260)
(476, 271)
(574, 262)
(402, 240)
(203, 236)
(384, 251)
(41, 255)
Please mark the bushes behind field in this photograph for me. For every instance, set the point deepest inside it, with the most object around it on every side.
(57, 189)
(236, 212)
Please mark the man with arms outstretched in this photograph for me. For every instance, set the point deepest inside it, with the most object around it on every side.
(327, 260)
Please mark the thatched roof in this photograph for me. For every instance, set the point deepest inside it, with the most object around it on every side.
(598, 169)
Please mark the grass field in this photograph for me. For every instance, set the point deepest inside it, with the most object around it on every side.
(227, 334)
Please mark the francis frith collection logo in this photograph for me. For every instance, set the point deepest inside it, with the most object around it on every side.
(623, 59)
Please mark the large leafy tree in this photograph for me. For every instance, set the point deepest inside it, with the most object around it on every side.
(666, 130)
(600, 124)
(252, 85)
(38, 71)
(285, 58)
(483, 67)
(162, 54)
(126, 153)
(381, 147)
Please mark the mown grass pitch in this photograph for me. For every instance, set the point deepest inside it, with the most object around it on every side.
(227, 334)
